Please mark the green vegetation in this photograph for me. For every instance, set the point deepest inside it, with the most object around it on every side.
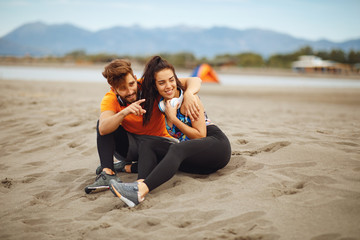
(285, 60)
(188, 60)
(247, 59)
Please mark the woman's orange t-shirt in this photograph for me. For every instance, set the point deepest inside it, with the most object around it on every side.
(133, 123)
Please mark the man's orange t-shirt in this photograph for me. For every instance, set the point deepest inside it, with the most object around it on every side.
(133, 123)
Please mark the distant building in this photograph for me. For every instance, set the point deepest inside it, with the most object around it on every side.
(313, 64)
(356, 68)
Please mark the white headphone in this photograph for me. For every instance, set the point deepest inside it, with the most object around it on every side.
(173, 101)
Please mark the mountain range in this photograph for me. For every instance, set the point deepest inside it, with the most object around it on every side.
(40, 39)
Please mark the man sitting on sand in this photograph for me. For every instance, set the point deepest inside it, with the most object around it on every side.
(121, 113)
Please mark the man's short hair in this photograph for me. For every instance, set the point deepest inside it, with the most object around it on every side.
(116, 71)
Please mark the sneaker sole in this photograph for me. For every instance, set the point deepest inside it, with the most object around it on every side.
(122, 198)
(96, 189)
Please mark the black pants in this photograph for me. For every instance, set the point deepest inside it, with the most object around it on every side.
(107, 145)
(129, 147)
(159, 158)
(201, 156)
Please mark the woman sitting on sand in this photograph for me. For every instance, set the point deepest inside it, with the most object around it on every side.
(203, 147)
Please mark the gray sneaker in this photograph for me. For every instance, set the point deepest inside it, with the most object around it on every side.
(101, 183)
(127, 192)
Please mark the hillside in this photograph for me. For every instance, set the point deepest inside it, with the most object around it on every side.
(39, 39)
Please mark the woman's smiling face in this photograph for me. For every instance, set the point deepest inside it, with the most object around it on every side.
(166, 83)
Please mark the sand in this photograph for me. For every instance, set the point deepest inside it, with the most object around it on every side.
(294, 171)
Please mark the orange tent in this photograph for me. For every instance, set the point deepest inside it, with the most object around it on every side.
(206, 73)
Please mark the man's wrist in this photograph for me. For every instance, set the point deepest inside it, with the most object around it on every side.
(122, 113)
(188, 92)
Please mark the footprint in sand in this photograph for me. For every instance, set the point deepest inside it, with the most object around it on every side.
(36, 221)
(324, 131)
(236, 153)
(254, 166)
(7, 182)
(270, 148)
(273, 147)
(36, 175)
(286, 188)
(50, 123)
(237, 162)
(74, 124)
(28, 180)
(45, 195)
(42, 198)
(74, 144)
(63, 136)
(350, 144)
(184, 224)
(238, 134)
(153, 222)
(103, 225)
(33, 177)
(176, 183)
(242, 141)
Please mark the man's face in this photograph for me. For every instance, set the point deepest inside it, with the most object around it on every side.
(128, 89)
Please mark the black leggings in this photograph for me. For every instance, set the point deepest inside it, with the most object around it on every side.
(200, 156)
(129, 147)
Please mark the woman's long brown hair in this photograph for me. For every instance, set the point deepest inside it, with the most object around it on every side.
(149, 91)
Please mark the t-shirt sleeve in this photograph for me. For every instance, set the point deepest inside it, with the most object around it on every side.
(109, 103)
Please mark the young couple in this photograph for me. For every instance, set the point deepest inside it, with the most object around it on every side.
(158, 122)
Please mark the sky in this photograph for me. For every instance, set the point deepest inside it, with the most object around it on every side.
(334, 20)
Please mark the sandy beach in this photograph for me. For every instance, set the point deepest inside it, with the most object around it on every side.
(294, 171)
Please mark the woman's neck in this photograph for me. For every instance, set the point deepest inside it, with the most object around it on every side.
(177, 94)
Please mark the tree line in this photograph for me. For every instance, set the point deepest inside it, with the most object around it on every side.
(188, 60)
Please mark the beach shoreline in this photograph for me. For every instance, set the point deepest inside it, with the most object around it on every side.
(274, 72)
(293, 173)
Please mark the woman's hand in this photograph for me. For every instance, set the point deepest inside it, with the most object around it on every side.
(197, 128)
(170, 111)
(191, 106)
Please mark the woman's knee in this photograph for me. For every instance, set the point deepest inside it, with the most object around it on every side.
(176, 150)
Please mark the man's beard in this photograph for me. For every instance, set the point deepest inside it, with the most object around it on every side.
(130, 97)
